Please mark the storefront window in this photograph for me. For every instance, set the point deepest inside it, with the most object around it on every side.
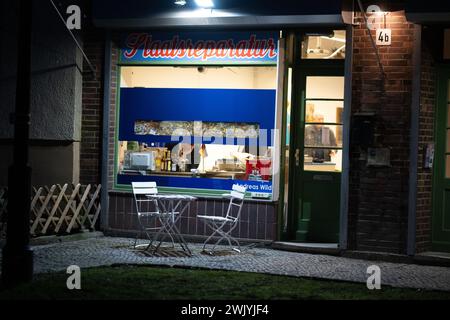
(324, 46)
(191, 126)
(197, 110)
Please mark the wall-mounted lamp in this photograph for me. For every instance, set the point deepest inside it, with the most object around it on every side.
(204, 3)
(180, 2)
(374, 9)
(377, 11)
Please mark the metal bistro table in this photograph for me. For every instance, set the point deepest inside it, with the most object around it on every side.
(172, 207)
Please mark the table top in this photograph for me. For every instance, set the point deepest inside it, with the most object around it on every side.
(172, 197)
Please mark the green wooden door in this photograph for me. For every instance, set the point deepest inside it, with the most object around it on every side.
(441, 186)
(317, 153)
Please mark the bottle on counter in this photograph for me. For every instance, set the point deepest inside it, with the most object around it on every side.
(158, 162)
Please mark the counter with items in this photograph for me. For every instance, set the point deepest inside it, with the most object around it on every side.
(180, 160)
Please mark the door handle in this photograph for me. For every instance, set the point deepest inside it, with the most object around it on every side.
(297, 157)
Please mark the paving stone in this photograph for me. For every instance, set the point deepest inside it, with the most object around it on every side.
(107, 251)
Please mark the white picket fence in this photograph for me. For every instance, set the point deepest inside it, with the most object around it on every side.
(59, 209)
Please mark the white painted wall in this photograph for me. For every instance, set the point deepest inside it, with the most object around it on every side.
(190, 77)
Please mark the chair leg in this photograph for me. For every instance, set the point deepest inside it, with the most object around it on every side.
(234, 239)
(224, 235)
(207, 240)
(165, 230)
(215, 229)
(135, 239)
(141, 227)
(238, 244)
(227, 236)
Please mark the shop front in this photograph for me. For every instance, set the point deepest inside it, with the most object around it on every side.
(334, 114)
(197, 110)
(196, 113)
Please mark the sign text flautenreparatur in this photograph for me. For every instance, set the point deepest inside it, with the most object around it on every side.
(236, 48)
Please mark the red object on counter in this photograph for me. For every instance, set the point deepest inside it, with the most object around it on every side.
(263, 166)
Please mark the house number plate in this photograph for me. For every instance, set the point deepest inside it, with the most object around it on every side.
(384, 37)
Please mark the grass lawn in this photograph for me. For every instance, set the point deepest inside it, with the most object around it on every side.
(145, 282)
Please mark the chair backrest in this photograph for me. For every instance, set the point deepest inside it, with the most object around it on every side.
(237, 196)
(143, 188)
(140, 190)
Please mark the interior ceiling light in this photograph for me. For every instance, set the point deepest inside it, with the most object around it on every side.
(180, 2)
(204, 3)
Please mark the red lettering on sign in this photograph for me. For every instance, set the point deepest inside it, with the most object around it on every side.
(201, 49)
(135, 41)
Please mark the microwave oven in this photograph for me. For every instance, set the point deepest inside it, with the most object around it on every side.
(142, 161)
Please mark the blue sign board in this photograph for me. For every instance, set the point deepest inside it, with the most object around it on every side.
(175, 104)
(260, 187)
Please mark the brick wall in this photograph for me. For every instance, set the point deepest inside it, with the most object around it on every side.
(91, 136)
(257, 222)
(378, 200)
(426, 135)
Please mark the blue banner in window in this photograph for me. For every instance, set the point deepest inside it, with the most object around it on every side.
(259, 187)
(230, 105)
(168, 48)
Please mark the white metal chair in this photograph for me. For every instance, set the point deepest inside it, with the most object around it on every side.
(151, 216)
(147, 208)
(223, 226)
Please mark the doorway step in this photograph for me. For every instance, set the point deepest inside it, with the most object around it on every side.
(315, 248)
(433, 258)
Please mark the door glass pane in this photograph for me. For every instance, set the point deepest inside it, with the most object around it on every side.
(447, 44)
(323, 160)
(448, 140)
(447, 174)
(324, 87)
(448, 115)
(324, 46)
(323, 136)
(448, 91)
(324, 111)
